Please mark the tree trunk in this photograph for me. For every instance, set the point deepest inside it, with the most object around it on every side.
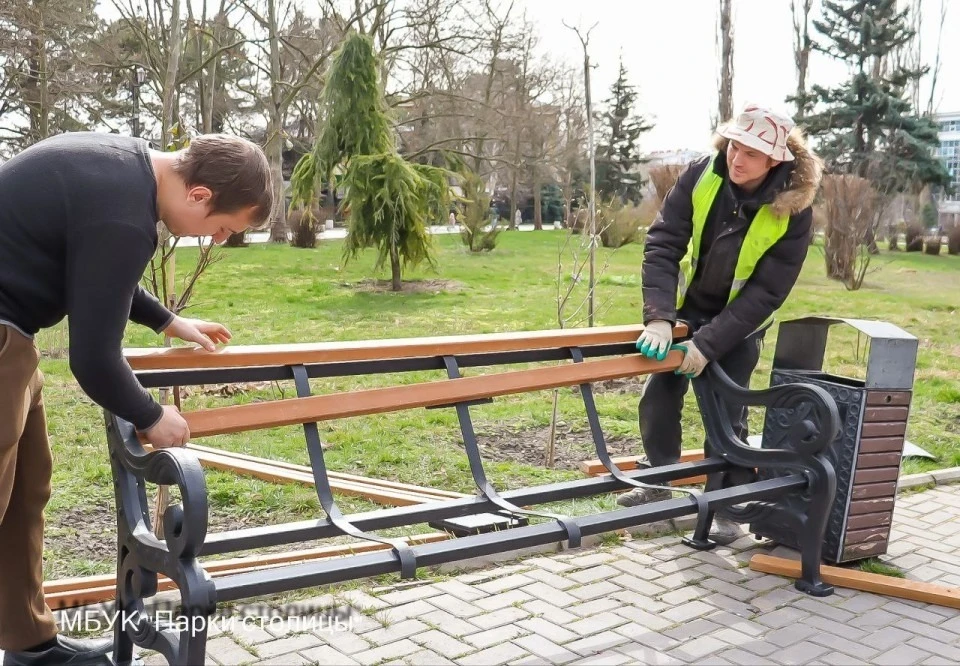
(173, 68)
(567, 199)
(537, 211)
(801, 49)
(274, 147)
(726, 61)
(274, 151)
(395, 266)
(513, 201)
(236, 240)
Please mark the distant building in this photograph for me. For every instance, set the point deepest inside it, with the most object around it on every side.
(949, 153)
(664, 158)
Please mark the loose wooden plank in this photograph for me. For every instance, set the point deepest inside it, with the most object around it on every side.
(888, 398)
(884, 429)
(280, 475)
(292, 411)
(179, 358)
(854, 579)
(333, 476)
(881, 444)
(626, 463)
(871, 414)
(869, 460)
(73, 592)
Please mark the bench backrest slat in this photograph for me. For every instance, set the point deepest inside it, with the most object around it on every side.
(179, 358)
(292, 411)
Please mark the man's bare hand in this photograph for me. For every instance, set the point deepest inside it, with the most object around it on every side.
(170, 430)
(207, 334)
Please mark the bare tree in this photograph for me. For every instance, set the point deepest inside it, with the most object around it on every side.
(725, 39)
(802, 45)
(573, 129)
(853, 208)
(585, 44)
(935, 70)
(282, 87)
(43, 73)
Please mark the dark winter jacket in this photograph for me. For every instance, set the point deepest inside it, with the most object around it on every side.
(790, 188)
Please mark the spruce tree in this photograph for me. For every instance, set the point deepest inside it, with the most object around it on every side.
(389, 202)
(618, 153)
(866, 125)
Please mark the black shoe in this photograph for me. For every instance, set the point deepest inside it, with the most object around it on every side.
(68, 652)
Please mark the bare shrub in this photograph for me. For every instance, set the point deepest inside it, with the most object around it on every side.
(853, 209)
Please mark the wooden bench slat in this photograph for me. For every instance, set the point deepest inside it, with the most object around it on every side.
(182, 358)
(293, 411)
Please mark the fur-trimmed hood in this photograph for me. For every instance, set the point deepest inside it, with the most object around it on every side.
(804, 182)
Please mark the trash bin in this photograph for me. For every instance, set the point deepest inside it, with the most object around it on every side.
(873, 417)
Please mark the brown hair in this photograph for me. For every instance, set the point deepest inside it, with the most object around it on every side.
(234, 169)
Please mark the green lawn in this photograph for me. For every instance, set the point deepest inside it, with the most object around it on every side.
(275, 294)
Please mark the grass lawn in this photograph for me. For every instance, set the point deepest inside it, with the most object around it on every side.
(277, 294)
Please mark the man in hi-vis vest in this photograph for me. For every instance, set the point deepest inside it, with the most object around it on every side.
(722, 256)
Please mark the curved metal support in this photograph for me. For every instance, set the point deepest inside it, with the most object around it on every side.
(814, 425)
(570, 526)
(704, 515)
(142, 556)
(321, 482)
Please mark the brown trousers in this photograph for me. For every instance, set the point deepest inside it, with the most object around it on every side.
(26, 467)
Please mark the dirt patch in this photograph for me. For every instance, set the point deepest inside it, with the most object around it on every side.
(530, 446)
(87, 533)
(629, 385)
(407, 286)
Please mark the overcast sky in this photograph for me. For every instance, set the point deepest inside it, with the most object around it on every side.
(669, 49)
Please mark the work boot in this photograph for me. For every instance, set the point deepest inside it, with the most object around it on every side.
(725, 532)
(65, 651)
(639, 496)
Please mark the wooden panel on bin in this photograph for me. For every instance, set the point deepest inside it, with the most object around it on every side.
(866, 520)
(179, 358)
(869, 534)
(871, 506)
(876, 475)
(884, 429)
(869, 460)
(873, 490)
(859, 551)
(880, 444)
(891, 398)
(886, 414)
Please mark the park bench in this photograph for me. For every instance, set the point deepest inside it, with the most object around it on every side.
(540, 360)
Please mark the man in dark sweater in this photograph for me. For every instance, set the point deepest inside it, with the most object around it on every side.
(78, 226)
(723, 254)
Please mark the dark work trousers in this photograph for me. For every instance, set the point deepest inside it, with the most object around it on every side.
(661, 403)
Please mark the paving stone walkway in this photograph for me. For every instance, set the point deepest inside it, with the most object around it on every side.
(644, 601)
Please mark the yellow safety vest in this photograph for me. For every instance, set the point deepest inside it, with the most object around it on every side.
(765, 230)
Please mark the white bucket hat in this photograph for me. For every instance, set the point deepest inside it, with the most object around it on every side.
(761, 129)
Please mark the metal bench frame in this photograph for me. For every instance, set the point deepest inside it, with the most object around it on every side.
(804, 473)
